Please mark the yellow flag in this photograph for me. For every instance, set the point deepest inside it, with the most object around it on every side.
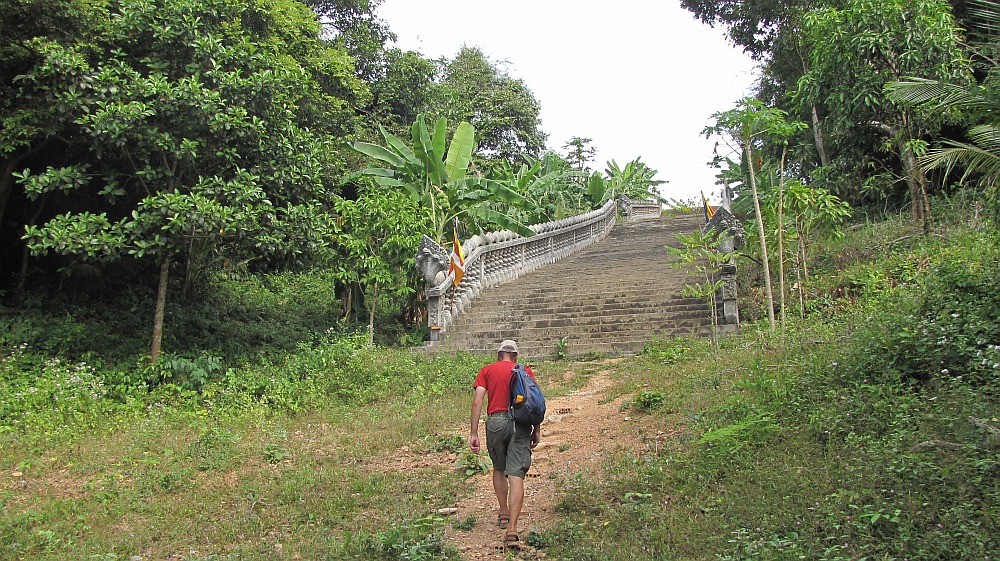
(457, 259)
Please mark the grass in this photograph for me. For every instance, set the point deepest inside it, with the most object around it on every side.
(815, 443)
(849, 436)
(179, 486)
(168, 478)
(758, 472)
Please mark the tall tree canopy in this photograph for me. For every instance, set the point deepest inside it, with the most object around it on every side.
(826, 63)
(198, 104)
(752, 24)
(355, 27)
(186, 130)
(857, 49)
(502, 109)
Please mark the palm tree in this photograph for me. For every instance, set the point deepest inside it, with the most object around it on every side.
(981, 155)
(976, 104)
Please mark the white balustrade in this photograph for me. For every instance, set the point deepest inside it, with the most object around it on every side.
(495, 258)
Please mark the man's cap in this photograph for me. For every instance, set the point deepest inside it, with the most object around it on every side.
(508, 346)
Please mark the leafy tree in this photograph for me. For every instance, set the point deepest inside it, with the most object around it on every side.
(635, 180)
(503, 110)
(700, 257)
(194, 131)
(355, 27)
(380, 236)
(811, 209)
(405, 89)
(579, 151)
(973, 104)
(550, 188)
(753, 24)
(856, 49)
(29, 124)
(749, 125)
(980, 156)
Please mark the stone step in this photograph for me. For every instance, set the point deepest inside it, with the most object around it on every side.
(575, 348)
(539, 336)
(653, 297)
(571, 312)
(581, 318)
(611, 297)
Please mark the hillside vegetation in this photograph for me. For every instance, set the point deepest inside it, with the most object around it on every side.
(869, 429)
(209, 212)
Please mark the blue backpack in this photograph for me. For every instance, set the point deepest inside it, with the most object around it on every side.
(527, 404)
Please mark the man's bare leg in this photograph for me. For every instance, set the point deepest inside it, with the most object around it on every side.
(516, 500)
(500, 488)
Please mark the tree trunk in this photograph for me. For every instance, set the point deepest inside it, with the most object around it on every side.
(6, 183)
(763, 242)
(347, 301)
(7, 167)
(26, 253)
(917, 183)
(187, 267)
(802, 252)
(799, 283)
(824, 159)
(371, 314)
(781, 235)
(161, 304)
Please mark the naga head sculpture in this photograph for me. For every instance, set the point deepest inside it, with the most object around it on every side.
(724, 222)
(432, 261)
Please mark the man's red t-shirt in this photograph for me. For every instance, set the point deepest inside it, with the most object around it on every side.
(496, 379)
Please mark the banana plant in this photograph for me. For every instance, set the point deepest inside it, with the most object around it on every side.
(635, 180)
(550, 190)
(599, 190)
(438, 179)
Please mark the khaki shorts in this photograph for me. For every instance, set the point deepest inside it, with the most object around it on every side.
(511, 457)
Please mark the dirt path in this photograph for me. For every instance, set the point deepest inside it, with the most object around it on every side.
(579, 429)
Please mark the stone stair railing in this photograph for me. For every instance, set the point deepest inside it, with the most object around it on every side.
(498, 257)
(725, 222)
(640, 209)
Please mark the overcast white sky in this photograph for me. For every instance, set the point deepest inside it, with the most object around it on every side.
(639, 77)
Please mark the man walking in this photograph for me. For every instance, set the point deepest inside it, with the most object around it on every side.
(508, 443)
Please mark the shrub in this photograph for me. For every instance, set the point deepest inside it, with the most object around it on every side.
(46, 395)
(948, 326)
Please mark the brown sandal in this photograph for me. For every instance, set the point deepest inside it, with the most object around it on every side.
(503, 520)
(512, 542)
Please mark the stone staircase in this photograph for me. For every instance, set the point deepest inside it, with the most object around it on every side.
(611, 298)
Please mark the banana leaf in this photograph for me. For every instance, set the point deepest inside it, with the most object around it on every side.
(487, 214)
(392, 182)
(440, 134)
(424, 149)
(460, 151)
(377, 172)
(378, 152)
(400, 148)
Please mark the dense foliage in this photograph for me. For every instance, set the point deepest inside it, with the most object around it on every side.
(163, 142)
(870, 430)
(828, 64)
(273, 163)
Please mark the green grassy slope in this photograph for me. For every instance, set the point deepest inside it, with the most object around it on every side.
(868, 430)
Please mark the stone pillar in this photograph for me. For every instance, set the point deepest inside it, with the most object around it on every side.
(727, 295)
(725, 223)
